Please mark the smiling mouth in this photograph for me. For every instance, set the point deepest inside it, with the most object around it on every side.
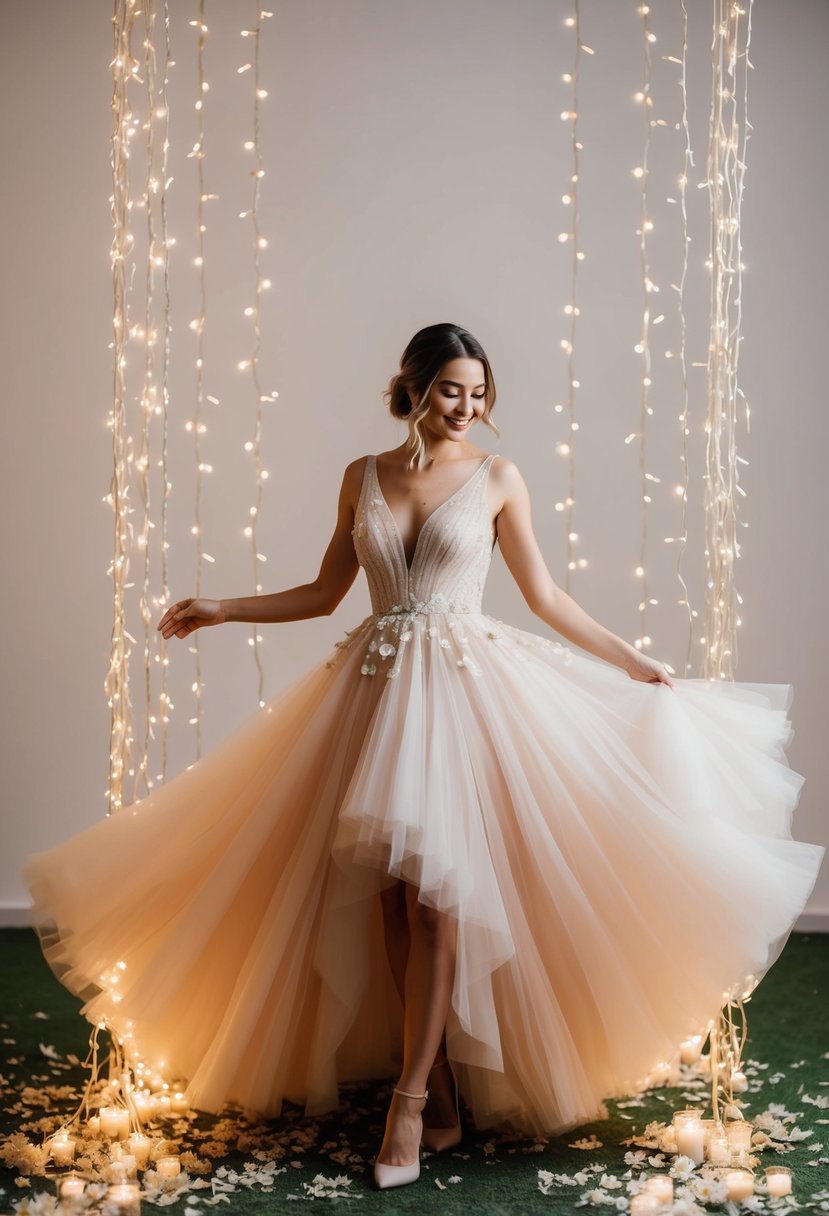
(459, 424)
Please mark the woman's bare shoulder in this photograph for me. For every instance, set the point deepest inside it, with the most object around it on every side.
(505, 471)
(352, 482)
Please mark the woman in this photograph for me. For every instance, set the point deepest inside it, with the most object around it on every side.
(552, 844)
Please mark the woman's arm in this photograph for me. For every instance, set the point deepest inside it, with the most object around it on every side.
(337, 572)
(546, 599)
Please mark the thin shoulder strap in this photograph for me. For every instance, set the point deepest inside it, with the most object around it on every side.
(364, 486)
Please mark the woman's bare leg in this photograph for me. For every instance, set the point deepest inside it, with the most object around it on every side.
(396, 932)
(428, 982)
(440, 1107)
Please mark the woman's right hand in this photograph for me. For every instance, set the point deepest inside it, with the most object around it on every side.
(185, 616)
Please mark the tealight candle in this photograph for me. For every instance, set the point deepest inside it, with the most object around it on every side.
(71, 1187)
(690, 1049)
(739, 1184)
(644, 1204)
(690, 1134)
(123, 1199)
(139, 1146)
(779, 1179)
(179, 1102)
(719, 1150)
(739, 1135)
(62, 1148)
(661, 1186)
(168, 1167)
(128, 1164)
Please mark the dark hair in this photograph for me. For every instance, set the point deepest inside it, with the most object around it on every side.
(420, 364)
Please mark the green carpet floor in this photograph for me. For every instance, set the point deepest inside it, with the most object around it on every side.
(238, 1166)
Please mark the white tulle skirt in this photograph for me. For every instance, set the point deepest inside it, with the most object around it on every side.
(617, 856)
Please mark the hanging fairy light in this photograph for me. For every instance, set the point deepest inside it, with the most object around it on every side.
(149, 395)
(124, 67)
(251, 362)
(727, 1032)
(196, 425)
(681, 490)
(567, 447)
(642, 347)
(725, 173)
(725, 186)
(162, 408)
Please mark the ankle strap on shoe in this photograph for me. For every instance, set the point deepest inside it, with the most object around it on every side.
(408, 1095)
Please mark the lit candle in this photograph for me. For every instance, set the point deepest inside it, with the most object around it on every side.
(690, 1134)
(128, 1164)
(644, 1204)
(115, 1122)
(62, 1148)
(94, 1125)
(779, 1179)
(690, 1049)
(739, 1135)
(162, 1103)
(719, 1150)
(179, 1102)
(123, 1199)
(739, 1184)
(661, 1186)
(168, 1167)
(71, 1186)
(140, 1146)
(145, 1105)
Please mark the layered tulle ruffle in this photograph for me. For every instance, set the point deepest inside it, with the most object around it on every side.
(617, 857)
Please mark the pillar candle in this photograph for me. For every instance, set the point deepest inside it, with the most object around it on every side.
(115, 1122)
(139, 1146)
(145, 1107)
(690, 1134)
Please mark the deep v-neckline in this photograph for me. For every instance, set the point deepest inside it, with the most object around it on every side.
(410, 567)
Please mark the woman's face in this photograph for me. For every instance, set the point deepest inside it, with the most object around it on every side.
(456, 399)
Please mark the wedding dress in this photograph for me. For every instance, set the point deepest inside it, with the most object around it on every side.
(617, 855)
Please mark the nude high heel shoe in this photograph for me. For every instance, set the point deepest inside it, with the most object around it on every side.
(438, 1139)
(398, 1175)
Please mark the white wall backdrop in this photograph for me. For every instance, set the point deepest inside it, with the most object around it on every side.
(415, 161)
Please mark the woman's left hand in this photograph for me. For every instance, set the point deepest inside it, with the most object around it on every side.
(643, 667)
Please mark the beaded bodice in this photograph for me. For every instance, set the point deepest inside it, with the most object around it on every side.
(452, 555)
